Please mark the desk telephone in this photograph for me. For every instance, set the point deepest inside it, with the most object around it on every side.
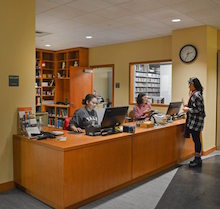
(43, 135)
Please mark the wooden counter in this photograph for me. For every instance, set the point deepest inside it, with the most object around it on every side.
(65, 174)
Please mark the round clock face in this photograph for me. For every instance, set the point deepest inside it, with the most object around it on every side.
(188, 53)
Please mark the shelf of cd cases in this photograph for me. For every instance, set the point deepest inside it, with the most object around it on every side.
(147, 80)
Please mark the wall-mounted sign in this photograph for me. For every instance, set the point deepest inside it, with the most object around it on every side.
(117, 85)
(13, 80)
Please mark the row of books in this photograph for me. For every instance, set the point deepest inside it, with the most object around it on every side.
(37, 83)
(38, 100)
(155, 85)
(153, 94)
(48, 83)
(62, 65)
(45, 102)
(60, 123)
(48, 75)
(147, 75)
(49, 92)
(146, 89)
(38, 108)
(147, 68)
(37, 64)
(151, 80)
(62, 112)
(48, 65)
(51, 111)
(51, 122)
(38, 90)
(37, 73)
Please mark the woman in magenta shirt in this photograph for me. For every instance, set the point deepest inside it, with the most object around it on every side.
(142, 108)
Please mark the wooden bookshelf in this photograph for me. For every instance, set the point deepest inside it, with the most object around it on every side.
(53, 81)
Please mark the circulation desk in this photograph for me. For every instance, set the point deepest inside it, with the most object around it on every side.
(67, 174)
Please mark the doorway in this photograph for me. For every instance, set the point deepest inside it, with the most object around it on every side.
(103, 83)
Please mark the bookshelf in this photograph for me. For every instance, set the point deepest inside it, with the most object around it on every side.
(53, 81)
(38, 81)
(147, 78)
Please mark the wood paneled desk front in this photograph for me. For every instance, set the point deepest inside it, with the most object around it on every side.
(67, 174)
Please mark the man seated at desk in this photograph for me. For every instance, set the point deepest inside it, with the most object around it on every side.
(85, 116)
(142, 109)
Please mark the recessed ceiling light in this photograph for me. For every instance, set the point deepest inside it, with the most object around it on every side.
(176, 20)
(88, 37)
(48, 45)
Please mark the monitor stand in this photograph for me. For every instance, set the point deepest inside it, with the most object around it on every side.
(171, 119)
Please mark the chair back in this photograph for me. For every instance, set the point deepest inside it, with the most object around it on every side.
(66, 123)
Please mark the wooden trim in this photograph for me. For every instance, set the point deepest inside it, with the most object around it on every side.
(149, 62)
(7, 186)
(207, 152)
(62, 50)
(159, 105)
(131, 84)
(26, 109)
(113, 77)
(217, 102)
(153, 105)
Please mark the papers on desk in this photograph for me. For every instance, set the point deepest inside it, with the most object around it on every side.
(32, 130)
(57, 133)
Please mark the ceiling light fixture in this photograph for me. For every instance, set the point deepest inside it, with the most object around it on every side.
(88, 37)
(48, 45)
(176, 20)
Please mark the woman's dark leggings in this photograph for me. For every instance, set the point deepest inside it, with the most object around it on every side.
(197, 141)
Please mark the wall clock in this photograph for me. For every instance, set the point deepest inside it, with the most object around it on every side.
(188, 53)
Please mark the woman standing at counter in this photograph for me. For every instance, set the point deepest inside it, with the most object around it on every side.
(85, 116)
(195, 118)
(143, 107)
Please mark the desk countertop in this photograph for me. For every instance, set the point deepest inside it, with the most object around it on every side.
(76, 141)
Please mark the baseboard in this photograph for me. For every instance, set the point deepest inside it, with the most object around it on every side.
(209, 151)
(6, 186)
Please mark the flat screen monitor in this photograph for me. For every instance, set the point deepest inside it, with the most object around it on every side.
(174, 108)
(114, 116)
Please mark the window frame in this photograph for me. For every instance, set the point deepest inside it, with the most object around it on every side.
(131, 80)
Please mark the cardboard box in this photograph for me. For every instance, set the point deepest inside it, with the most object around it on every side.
(147, 124)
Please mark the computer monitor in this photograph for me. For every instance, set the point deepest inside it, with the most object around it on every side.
(174, 108)
(114, 116)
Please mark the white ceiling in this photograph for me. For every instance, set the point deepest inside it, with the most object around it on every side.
(117, 21)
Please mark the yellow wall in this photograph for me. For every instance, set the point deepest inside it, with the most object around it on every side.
(122, 54)
(101, 81)
(204, 67)
(211, 91)
(17, 57)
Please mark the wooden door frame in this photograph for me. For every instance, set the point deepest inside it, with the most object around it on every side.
(113, 77)
(217, 140)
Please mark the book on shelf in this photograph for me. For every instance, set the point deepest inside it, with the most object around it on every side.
(61, 112)
(38, 101)
(45, 102)
(63, 65)
(60, 123)
(52, 83)
(44, 84)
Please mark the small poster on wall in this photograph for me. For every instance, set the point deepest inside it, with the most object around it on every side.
(13, 80)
